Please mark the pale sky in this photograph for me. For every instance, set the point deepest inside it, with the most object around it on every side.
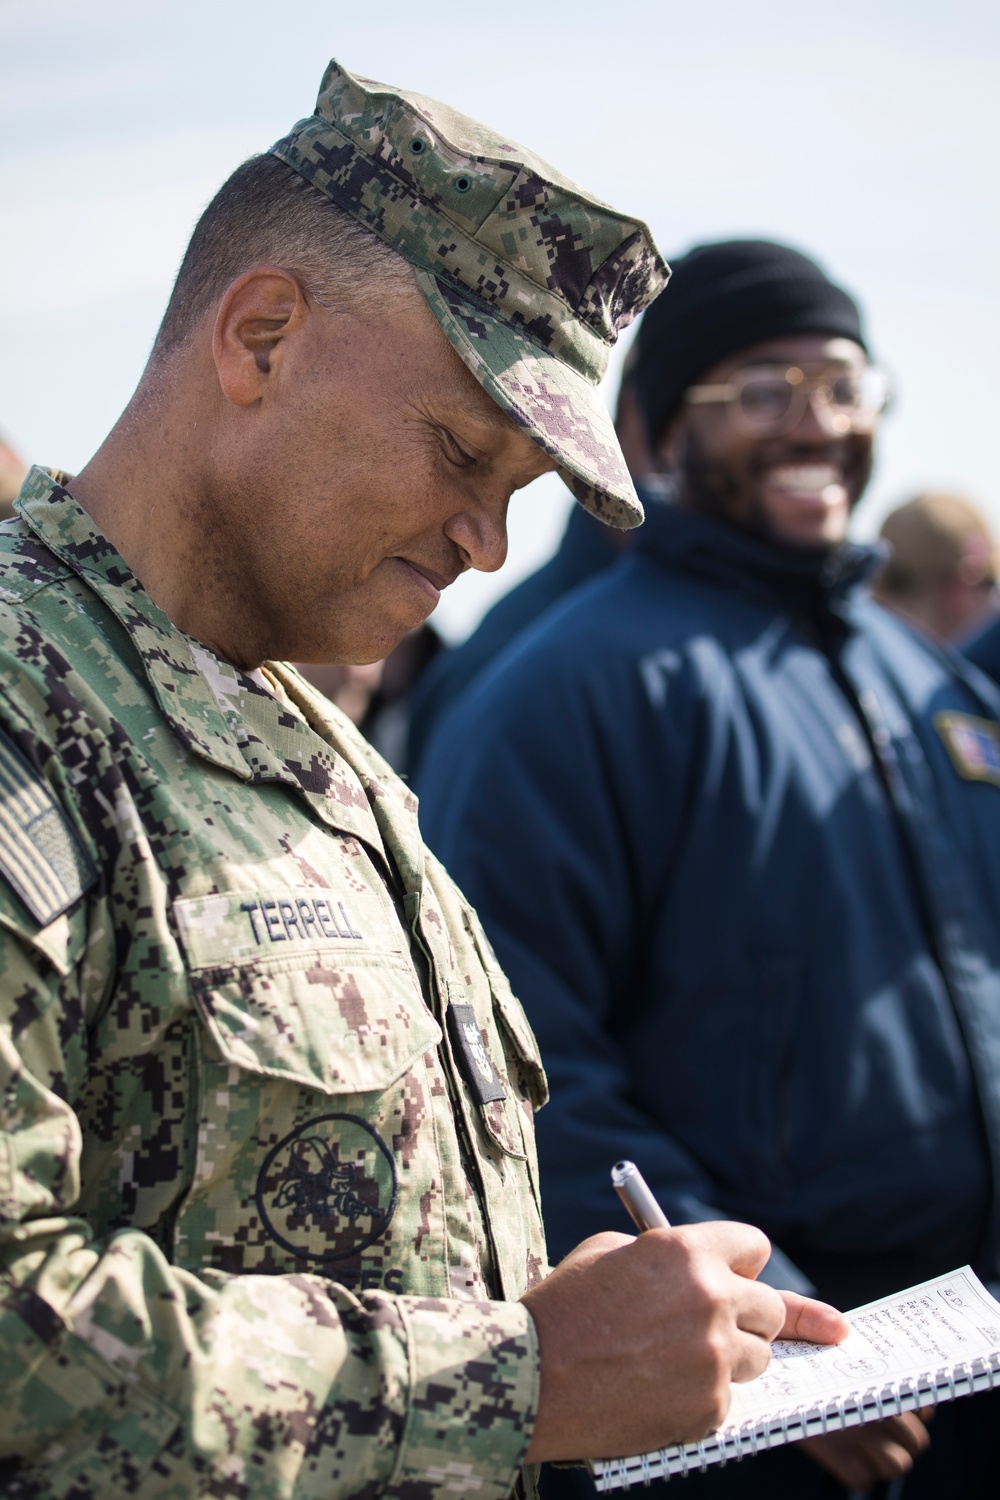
(864, 132)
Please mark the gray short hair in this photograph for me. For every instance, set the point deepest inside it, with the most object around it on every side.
(267, 213)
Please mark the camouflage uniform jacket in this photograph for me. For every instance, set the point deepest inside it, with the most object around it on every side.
(268, 1190)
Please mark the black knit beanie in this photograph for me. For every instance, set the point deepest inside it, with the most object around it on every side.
(723, 298)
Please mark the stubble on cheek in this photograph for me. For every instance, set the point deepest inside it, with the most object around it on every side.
(712, 485)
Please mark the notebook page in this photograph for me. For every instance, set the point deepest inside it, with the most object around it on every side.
(938, 1325)
(930, 1343)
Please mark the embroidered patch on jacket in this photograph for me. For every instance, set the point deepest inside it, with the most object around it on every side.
(329, 1189)
(473, 1058)
(973, 744)
(40, 855)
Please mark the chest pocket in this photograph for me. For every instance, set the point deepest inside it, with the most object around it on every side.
(318, 1062)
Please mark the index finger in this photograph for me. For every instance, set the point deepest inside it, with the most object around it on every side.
(759, 1309)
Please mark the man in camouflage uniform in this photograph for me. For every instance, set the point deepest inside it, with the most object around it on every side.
(269, 1219)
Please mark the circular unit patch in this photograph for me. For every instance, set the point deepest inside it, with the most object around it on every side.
(329, 1189)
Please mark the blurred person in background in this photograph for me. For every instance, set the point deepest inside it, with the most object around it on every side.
(12, 471)
(941, 574)
(728, 826)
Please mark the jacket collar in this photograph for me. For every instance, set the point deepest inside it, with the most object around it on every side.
(783, 577)
(216, 711)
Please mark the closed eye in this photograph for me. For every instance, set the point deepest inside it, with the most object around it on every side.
(454, 452)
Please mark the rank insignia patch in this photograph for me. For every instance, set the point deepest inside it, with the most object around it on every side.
(973, 744)
(473, 1058)
(40, 855)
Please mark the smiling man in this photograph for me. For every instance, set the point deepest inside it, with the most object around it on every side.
(761, 948)
(269, 1215)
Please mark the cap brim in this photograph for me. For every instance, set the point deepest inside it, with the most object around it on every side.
(555, 405)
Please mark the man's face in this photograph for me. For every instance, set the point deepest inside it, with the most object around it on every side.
(967, 598)
(797, 487)
(373, 471)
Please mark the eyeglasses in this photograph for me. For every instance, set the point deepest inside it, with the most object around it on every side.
(768, 400)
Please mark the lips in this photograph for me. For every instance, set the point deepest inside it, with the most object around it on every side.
(433, 581)
(439, 580)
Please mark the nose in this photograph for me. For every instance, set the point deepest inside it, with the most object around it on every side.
(817, 424)
(480, 536)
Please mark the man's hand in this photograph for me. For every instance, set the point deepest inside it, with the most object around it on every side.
(640, 1338)
(862, 1457)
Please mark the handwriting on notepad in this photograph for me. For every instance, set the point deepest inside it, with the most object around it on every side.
(914, 1333)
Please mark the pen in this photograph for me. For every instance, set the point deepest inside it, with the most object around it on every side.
(630, 1185)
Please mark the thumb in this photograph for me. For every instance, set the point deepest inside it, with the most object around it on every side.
(816, 1322)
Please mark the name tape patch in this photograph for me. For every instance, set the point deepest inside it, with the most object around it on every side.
(299, 918)
(473, 1058)
(239, 926)
(973, 745)
(41, 857)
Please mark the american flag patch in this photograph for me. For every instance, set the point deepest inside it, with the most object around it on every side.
(973, 744)
(40, 855)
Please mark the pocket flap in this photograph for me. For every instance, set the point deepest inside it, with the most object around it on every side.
(335, 1013)
(344, 1030)
(516, 1024)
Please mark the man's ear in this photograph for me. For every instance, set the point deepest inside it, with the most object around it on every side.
(259, 310)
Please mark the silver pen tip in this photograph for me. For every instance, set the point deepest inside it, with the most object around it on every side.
(621, 1172)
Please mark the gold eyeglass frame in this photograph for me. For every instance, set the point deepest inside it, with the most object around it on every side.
(803, 388)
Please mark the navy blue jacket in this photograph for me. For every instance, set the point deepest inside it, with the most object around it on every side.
(587, 546)
(708, 815)
(984, 650)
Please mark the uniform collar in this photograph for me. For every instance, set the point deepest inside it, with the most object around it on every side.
(749, 564)
(216, 711)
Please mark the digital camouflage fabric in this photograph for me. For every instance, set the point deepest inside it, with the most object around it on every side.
(531, 277)
(265, 1205)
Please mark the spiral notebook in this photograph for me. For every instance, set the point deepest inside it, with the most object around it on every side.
(931, 1343)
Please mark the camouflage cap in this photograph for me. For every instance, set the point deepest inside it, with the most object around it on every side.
(530, 277)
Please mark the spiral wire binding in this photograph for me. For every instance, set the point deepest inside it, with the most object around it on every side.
(850, 1410)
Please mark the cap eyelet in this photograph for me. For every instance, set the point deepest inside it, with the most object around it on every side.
(462, 184)
(417, 146)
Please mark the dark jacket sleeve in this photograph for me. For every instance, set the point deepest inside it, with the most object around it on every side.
(566, 851)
